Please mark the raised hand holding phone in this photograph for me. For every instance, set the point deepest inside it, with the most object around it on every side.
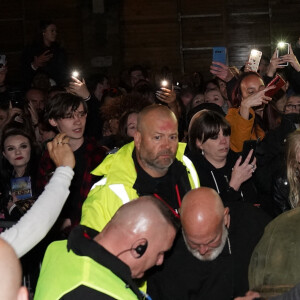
(78, 87)
(283, 49)
(292, 59)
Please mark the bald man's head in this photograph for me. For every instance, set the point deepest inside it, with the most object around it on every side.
(152, 113)
(10, 268)
(156, 139)
(204, 220)
(145, 222)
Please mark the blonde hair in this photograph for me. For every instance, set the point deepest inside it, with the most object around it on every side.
(293, 176)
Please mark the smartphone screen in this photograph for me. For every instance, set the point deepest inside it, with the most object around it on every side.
(247, 147)
(254, 59)
(283, 49)
(220, 55)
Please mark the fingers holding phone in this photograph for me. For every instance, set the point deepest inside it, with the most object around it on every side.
(221, 70)
(292, 59)
(78, 87)
(257, 98)
(243, 170)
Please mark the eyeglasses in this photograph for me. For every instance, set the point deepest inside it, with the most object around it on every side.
(75, 114)
(292, 106)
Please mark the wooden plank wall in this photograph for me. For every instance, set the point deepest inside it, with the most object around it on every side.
(19, 26)
(151, 31)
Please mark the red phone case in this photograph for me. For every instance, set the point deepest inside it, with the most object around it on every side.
(279, 82)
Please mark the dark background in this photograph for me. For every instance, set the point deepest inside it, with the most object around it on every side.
(111, 35)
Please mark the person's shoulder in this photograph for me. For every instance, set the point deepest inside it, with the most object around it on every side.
(92, 145)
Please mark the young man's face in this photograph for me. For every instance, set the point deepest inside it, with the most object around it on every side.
(135, 76)
(73, 124)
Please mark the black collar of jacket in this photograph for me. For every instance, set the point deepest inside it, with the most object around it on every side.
(81, 243)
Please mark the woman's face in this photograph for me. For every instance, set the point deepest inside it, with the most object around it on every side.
(186, 98)
(250, 85)
(198, 99)
(3, 116)
(215, 148)
(131, 124)
(17, 150)
(50, 34)
(292, 105)
(214, 96)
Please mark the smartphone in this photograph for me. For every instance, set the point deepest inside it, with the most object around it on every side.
(254, 59)
(248, 145)
(220, 55)
(76, 74)
(2, 62)
(283, 49)
(166, 84)
(16, 99)
(279, 82)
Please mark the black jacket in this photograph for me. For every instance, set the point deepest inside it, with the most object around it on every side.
(183, 277)
(280, 193)
(218, 179)
(55, 68)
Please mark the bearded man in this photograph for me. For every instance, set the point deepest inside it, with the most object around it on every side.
(210, 257)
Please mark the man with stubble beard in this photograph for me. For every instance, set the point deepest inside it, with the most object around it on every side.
(153, 164)
(210, 257)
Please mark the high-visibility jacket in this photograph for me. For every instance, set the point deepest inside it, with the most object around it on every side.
(64, 271)
(116, 186)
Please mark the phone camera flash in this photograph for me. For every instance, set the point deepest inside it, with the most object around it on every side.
(164, 83)
(75, 74)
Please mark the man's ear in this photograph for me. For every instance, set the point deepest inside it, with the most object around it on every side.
(23, 293)
(199, 144)
(137, 140)
(53, 122)
(226, 217)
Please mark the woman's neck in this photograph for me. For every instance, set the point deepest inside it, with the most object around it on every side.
(216, 163)
(47, 43)
(20, 171)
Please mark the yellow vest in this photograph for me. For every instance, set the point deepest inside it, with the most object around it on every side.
(64, 271)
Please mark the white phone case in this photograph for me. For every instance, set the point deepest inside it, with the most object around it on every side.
(254, 59)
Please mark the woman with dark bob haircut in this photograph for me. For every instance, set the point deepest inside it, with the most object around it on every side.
(217, 166)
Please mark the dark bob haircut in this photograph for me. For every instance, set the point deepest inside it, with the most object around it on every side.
(204, 125)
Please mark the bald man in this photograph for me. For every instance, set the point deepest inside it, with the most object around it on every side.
(153, 164)
(93, 265)
(210, 257)
(10, 269)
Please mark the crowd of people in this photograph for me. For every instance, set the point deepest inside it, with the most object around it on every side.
(113, 177)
